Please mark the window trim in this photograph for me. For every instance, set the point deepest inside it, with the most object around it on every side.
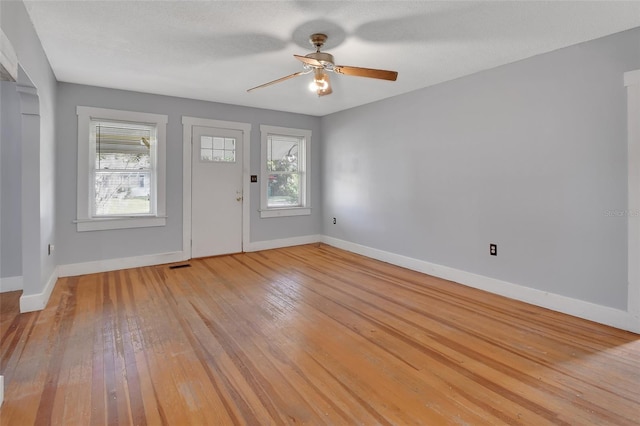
(305, 210)
(84, 218)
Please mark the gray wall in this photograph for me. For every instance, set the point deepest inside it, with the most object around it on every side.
(38, 201)
(530, 156)
(77, 247)
(10, 181)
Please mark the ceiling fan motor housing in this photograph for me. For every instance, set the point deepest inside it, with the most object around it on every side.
(322, 57)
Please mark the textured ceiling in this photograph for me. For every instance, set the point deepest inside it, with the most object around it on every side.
(215, 50)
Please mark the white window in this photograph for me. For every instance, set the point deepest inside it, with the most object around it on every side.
(121, 169)
(284, 190)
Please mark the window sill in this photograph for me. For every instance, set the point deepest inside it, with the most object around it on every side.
(294, 211)
(119, 223)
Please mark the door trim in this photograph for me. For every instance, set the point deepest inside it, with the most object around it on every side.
(187, 127)
(632, 82)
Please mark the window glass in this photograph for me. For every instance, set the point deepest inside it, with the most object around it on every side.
(283, 190)
(283, 187)
(283, 153)
(216, 149)
(123, 173)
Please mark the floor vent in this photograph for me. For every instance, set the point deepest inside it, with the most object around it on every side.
(186, 265)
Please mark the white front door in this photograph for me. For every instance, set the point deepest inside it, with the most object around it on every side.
(216, 191)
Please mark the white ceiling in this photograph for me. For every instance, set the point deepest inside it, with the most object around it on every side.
(215, 50)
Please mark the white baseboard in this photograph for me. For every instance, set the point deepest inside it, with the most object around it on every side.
(1, 390)
(10, 284)
(285, 242)
(106, 265)
(567, 305)
(37, 302)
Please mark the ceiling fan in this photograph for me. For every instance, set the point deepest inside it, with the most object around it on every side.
(319, 63)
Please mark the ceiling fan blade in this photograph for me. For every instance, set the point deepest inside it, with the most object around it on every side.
(310, 61)
(366, 72)
(278, 80)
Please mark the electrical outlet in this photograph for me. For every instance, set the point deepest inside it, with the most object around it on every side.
(493, 249)
(50, 249)
(334, 220)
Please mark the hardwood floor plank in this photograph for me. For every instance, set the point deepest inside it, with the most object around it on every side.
(308, 334)
(356, 329)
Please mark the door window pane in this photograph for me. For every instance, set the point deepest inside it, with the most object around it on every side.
(217, 149)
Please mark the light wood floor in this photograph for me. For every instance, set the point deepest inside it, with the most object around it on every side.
(310, 335)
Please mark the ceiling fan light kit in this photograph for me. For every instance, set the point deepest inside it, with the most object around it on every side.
(320, 84)
(320, 62)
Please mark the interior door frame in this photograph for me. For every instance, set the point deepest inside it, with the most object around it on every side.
(187, 129)
(632, 83)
